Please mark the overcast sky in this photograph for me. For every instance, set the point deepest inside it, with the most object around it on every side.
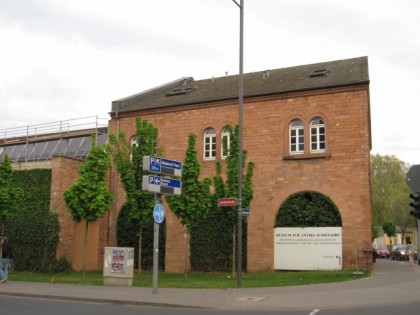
(61, 60)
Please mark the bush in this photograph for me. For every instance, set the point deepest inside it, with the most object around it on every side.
(60, 265)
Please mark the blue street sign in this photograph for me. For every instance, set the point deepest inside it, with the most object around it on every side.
(159, 213)
(246, 212)
(160, 165)
(161, 185)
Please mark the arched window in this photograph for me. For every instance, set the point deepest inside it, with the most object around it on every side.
(210, 144)
(317, 135)
(134, 143)
(225, 138)
(297, 136)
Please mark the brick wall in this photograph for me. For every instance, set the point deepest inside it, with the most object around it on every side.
(65, 172)
(342, 173)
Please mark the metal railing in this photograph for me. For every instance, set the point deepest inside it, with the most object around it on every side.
(40, 142)
(58, 128)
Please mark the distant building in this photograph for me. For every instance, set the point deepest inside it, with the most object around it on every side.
(35, 146)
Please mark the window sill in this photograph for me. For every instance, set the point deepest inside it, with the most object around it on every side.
(307, 156)
(209, 159)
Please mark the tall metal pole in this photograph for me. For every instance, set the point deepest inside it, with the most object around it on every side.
(240, 123)
(155, 251)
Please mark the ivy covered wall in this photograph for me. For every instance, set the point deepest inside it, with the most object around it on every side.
(128, 236)
(33, 231)
(308, 209)
(212, 241)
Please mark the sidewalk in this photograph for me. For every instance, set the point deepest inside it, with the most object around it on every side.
(393, 282)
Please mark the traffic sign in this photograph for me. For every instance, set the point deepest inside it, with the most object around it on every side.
(160, 165)
(413, 178)
(159, 213)
(161, 185)
(246, 212)
(227, 202)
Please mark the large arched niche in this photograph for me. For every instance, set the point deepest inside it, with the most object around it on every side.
(308, 209)
(308, 233)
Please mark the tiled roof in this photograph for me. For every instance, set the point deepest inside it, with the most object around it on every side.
(187, 91)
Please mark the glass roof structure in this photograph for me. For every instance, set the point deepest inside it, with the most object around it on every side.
(41, 142)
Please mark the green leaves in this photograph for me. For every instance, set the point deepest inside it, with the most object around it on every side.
(10, 196)
(195, 201)
(89, 198)
(43, 228)
(230, 189)
(306, 209)
(390, 191)
(389, 229)
(128, 160)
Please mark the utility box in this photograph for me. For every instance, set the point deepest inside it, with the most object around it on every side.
(118, 266)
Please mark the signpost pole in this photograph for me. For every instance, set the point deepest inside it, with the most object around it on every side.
(160, 185)
(155, 251)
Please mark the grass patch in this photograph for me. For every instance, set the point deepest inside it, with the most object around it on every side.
(200, 280)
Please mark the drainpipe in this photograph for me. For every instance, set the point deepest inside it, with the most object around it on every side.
(114, 227)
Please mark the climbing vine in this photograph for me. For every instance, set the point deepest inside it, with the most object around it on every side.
(34, 245)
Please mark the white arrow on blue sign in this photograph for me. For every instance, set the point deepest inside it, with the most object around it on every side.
(246, 212)
(159, 213)
(161, 185)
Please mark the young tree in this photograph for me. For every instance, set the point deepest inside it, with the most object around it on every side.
(10, 196)
(389, 229)
(128, 160)
(195, 200)
(89, 199)
(230, 189)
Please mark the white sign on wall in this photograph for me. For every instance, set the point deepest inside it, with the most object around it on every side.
(309, 248)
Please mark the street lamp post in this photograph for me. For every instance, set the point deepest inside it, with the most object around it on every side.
(240, 125)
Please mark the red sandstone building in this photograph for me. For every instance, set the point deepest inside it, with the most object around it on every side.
(306, 128)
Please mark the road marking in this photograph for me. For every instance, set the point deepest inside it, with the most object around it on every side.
(314, 311)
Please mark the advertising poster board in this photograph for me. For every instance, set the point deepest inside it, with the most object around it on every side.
(117, 264)
(309, 248)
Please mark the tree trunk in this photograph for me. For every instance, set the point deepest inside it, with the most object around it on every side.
(84, 250)
(140, 252)
(186, 254)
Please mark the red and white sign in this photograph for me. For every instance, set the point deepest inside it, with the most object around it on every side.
(227, 202)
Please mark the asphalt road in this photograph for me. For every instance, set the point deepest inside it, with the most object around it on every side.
(394, 288)
(37, 306)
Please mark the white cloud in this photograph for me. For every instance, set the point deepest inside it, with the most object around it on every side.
(68, 59)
